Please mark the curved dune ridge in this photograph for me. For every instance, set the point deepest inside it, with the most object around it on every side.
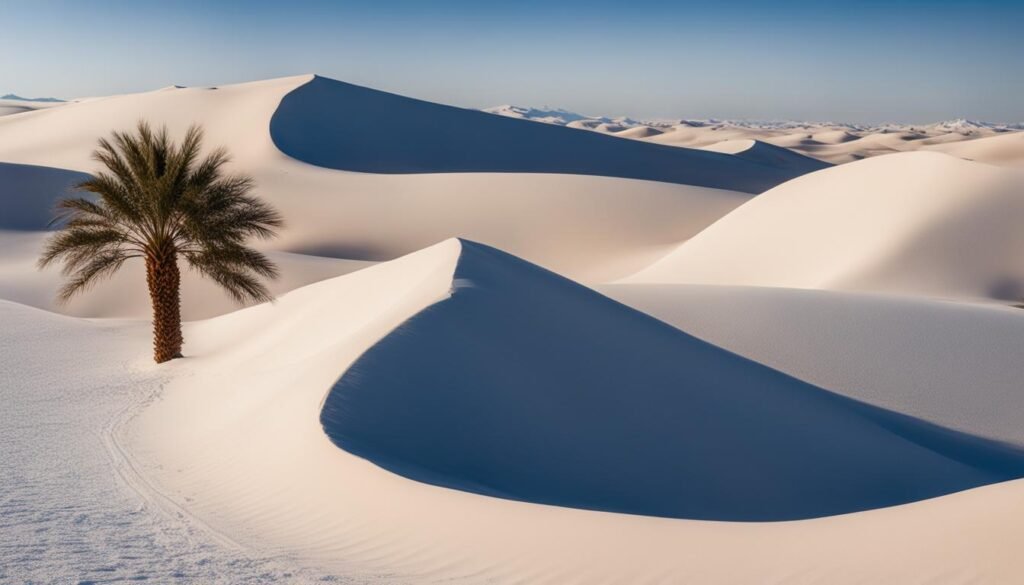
(343, 126)
(525, 385)
(920, 223)
(769, 154)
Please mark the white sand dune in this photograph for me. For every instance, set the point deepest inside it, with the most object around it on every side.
(643, 420)
(342, 126)
(762, 152)
(830, 142)
(587, 226)
(842, 144)
(460, 415)
(1007, 149)
(834, 136)
(235, 435)
(639, 132)
(918, 223)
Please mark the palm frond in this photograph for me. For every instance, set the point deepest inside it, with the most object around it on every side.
(154, 198)
(91, 271)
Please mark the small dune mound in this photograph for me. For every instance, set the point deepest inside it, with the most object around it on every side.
(835, 137)
(639, 132)
(528, 386)
(342, 126)
(768, 154)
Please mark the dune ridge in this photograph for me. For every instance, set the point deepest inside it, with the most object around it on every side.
(363, 136)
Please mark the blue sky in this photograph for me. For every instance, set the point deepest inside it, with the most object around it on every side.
(857, 60)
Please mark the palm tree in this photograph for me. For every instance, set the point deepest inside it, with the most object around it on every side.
(159, 201)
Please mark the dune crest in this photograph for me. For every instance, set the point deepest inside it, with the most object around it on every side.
(342, 126)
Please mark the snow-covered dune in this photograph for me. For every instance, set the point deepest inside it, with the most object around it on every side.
(920, 222)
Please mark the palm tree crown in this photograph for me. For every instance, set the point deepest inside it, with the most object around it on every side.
(158, 200)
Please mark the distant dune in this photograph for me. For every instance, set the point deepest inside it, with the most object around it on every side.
(769, 154)
(832, 142)
(1005, 149)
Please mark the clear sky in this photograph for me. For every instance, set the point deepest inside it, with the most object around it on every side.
(854, 60)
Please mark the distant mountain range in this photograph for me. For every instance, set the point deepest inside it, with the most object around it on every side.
(12, 96)
(563, 117)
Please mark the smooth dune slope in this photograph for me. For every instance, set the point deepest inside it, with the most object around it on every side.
(920, 223)
(343, 126)
(951, 363)
(1005, 149)
(528, 386)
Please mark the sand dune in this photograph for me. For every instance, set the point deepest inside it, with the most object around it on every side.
(1005, 149)
(639, 132)
(587, 226)
(585, 441)
(234, 435)
(361, 136)
(831, 142)
(839, 145)
(762, 152)
(643, 419)
(920, 223)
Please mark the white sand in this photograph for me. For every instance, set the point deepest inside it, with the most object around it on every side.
(586, 226)
(238, 438)
(219, 468)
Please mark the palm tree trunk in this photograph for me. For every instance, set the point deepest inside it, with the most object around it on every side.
(164, 281)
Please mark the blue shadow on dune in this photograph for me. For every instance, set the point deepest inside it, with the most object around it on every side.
(525, 385)
(342, 126)
(28, 194)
